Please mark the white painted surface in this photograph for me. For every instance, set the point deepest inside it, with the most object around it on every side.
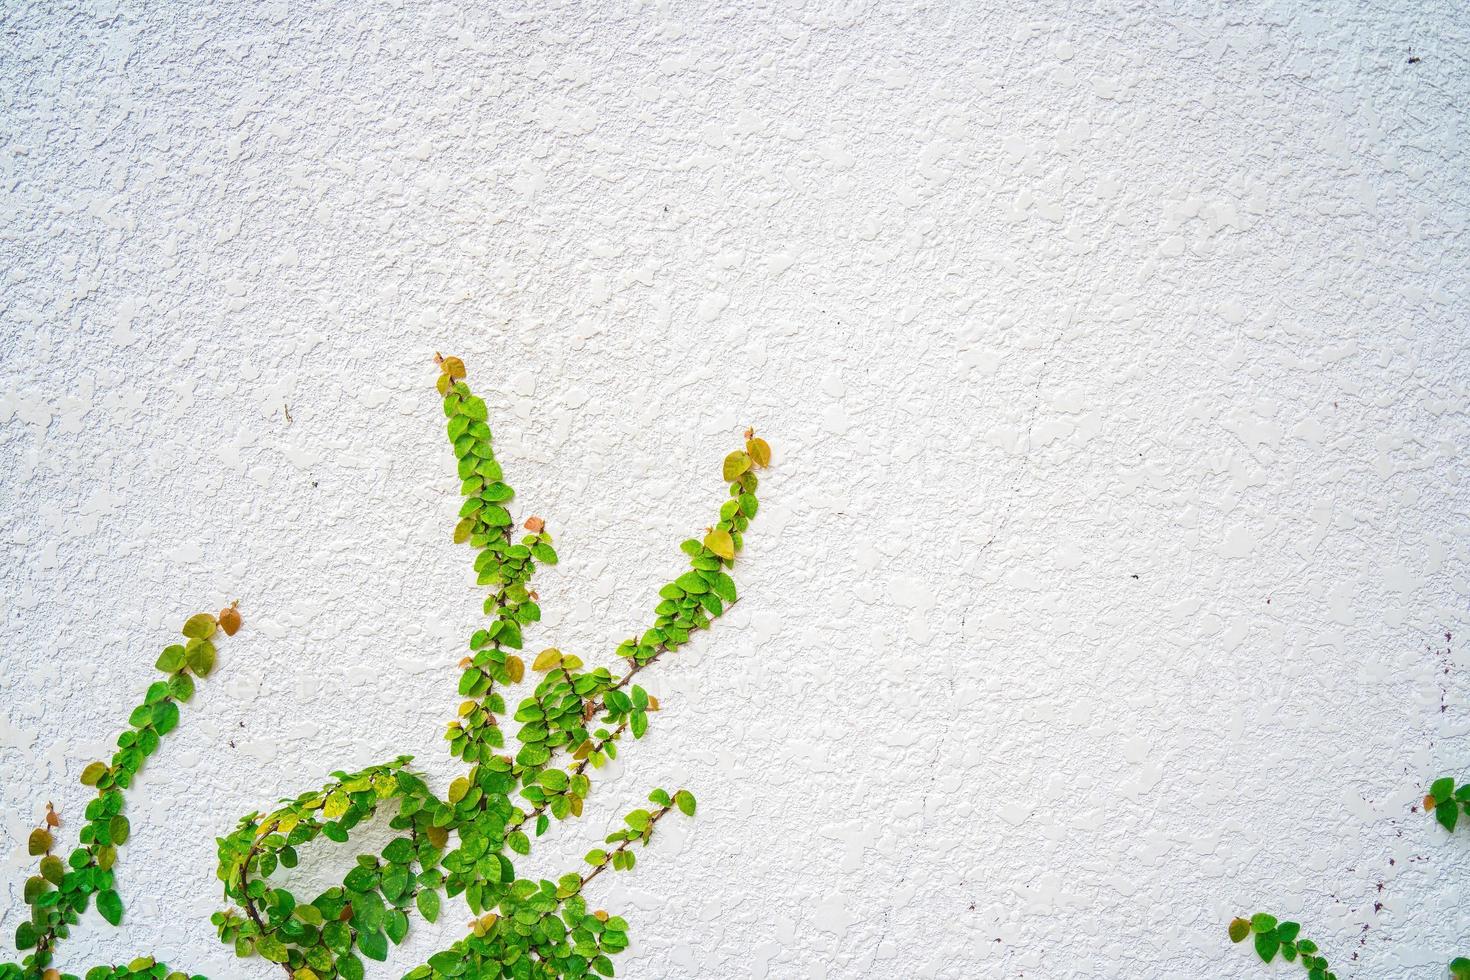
(1115, 363)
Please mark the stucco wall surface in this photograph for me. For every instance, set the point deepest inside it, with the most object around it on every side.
(1112, 576)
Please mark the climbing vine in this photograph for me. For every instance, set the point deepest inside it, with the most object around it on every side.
(62, 891)
(1447, 802)
(517, 783)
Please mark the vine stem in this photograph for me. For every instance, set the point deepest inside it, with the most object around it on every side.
(647, 835)
(250, 909)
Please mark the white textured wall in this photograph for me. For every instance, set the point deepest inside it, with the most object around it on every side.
(1116, 366)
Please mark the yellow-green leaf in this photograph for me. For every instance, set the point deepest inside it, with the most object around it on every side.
(735, 464)
(93, 772)
(335, 805)
(200, 626)
(547, 659)
(720, 542)
(40, 841)
(458, 789)
(200, 656)
(463, 529)
(52, 869)
(759, 450)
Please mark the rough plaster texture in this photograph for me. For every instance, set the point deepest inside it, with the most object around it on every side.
(1116, 365)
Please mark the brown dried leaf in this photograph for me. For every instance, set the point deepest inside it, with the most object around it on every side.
(229, 619)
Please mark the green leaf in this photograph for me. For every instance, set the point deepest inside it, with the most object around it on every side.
(639, 819)
(691, 583)
(428, 903)
(684, 800)
(374, 945)
(723, 586)
(1287, 931)
(171, 659)
(1448, 815)
(165, 717)
(1266, 945)
(110, 905)
(25, 936)
(1261, 922)
(181, 687)
(1442, 789)
(396, 926)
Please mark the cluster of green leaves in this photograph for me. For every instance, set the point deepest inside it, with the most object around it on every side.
(1272, 937)
(571, 721)
(1446, 801)
(543, 929)
(369, 909)
(62, 891)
